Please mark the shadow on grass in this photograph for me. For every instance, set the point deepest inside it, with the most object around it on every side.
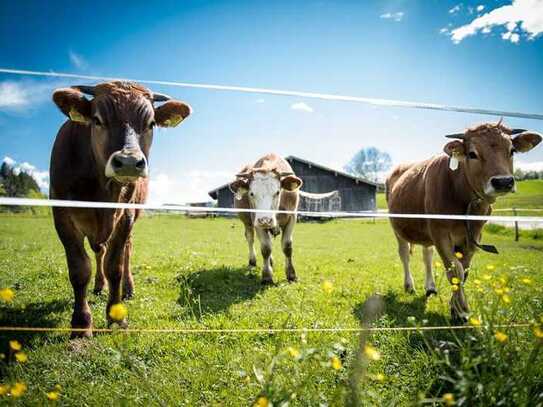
(215, 290)
(38, 314)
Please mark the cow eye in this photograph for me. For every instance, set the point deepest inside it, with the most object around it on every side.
(96, 121)
(277, 193)
(251, 194)
(473, 155)
(152, 125)
(513, 151)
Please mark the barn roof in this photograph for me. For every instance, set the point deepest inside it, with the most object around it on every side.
(215, 192)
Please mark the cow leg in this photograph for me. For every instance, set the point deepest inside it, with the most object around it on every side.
(430, 284)
(286, 243)
(100, 278)
(128, 279)
(459, 303)
(250, 236)
(79, 269)
(403, 251)
(266, 249)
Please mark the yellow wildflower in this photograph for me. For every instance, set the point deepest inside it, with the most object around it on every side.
(480, 290)
(380, 377)
(336, 363)
(503, 280)
(21, 357)
(262, 401)
(498, 291)
(491, 267)
(459, 255)
(437, 264)
(58, 387)
(15, 345)
(455, 280)
(372, 353)
(538, 332)
(448, 399)
(476, 281)
(455, 287)
(328, 287)
(118, 312)
(18, 389)
(526, 280)
(487, 277)
(500, 336)
(53, 395)
(4, 388)
(295, 353)
(506, 299)
(7, 294)
(475, 321)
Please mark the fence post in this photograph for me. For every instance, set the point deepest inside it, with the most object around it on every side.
(516, 225)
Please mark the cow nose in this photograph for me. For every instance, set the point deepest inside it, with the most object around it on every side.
(265, 221)
(502, 183)
(129, 164)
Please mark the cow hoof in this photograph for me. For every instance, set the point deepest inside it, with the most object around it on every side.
(128, 295)
(458, 319)
(97, 290)
(87, 333)
(292, 279)
(267, 281)
(123, 324)
(409, 290)
(430, 292)
(252, 263)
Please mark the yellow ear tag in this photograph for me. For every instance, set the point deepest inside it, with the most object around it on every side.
(453, 162)
(173, 121)
(75, 116)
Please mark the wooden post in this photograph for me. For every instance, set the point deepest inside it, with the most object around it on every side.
(516, 225)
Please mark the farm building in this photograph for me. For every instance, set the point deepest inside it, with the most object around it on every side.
(342, 192)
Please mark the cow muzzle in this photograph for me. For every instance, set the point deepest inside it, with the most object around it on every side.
(127, 165)
(501, 184)
(265, 222)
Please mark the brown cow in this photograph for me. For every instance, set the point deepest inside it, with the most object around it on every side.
(269, 184)
(467, 179)
(101, 154)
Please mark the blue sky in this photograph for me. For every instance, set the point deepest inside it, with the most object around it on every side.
(480, 53)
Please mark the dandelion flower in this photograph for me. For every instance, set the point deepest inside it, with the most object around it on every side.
(336, 363)
(455, 287)
(295, 353)
(448, 399)
(118, 312)
(372, 353)
(475, 321)
(437, 264)
(498, 291)
(380, 377)
(487, 277)
(15, 345)
(18, 389)
(328, 287)
(526, 280)
(506, 299)
(58, 387)
(538, 332)
(500, 336)
(459, 255)
(53, 395)
(455, 280)
(491, 267)
(477, 281)
(7, 294)
(21, 357)
(262, 401)
(4, 388)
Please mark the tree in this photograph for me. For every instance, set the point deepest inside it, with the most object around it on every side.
(369, 163)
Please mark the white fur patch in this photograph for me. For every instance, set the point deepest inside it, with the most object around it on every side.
(263, 195)
(453, 163)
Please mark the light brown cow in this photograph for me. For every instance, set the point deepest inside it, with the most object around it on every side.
(475, 169)
(101, 154)
(269, 184)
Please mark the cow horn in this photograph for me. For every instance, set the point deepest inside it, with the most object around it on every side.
(160, 97)
(88, 90)
(243, 175)
(285, 174)
(460, 136)
(517, 131)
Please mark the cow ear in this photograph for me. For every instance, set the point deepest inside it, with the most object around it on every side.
(526, 141)
(291, 183)
(73, 104)
(239, 186)
(171, 113)
(455, 148)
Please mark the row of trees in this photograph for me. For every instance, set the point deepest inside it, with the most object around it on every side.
(524, 175)
(14, 183)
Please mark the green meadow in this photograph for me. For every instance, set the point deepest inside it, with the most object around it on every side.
(193, 274)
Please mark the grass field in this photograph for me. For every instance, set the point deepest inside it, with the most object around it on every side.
(193, 274)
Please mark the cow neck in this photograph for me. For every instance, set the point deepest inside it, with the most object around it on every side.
(121, 193)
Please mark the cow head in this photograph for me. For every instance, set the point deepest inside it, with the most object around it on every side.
(122, 117)
(263, 188)
(486, 153)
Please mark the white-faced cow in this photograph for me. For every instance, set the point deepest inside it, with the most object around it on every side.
(102, 154)
(269, 184)
(476, 168)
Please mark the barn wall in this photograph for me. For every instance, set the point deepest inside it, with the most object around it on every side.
(354, 196)
(226, 198)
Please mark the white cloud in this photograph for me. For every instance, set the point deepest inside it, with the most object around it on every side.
(444, 30)
(12, 95)
(398, 16)
(191, 186)
(480, 8)
(41, 177)
(259, 101)
(301, 106)
(525, 16)
(77, 60)
(19, 95)
(455, 9)
(535, 166)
